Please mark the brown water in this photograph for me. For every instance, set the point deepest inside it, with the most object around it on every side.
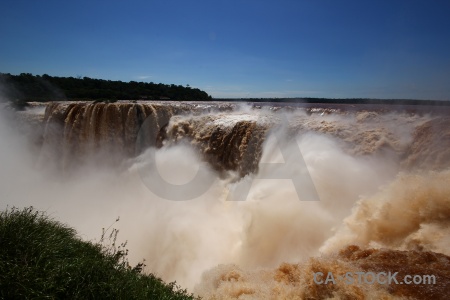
(381, 174)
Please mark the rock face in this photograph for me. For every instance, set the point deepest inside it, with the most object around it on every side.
(74, 131)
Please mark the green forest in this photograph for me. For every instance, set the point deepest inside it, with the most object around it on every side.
(27, 87)
(23, 88)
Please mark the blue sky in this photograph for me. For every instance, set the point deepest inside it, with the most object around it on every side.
(238, 48)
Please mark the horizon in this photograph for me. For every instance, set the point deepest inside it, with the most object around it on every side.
(250, 49)
(259, 99)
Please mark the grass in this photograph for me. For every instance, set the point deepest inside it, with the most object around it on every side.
(43, 258)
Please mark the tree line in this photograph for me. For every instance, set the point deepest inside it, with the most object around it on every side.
(27, 87)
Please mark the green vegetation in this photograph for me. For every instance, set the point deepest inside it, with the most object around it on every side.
(333, 101)
(26, 87)
(42, 258)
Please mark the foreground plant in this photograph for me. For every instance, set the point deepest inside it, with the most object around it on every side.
(43, 258)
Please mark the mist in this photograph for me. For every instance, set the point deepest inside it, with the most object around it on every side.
(180, 240)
